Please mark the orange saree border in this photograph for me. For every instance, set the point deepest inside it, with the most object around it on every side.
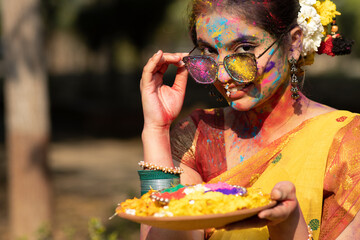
(343, 179)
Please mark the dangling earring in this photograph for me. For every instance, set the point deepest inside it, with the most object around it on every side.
(294, 81)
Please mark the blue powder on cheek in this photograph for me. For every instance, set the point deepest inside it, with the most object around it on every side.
(269, 67)
(277, 79)
(271, 52)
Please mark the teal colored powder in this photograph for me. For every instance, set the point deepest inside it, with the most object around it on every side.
(277, 79)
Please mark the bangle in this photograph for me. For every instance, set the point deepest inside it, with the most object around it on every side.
(155, 174)
(156, 180)
(151, 166)
(310, 231)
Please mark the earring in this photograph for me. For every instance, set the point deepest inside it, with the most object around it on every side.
(294, 81)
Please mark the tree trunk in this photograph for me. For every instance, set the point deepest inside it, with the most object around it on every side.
(27, 119)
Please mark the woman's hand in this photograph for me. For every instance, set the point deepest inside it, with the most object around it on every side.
(284, 221)
(162, 103)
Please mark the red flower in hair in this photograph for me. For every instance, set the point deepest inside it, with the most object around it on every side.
(326, 46)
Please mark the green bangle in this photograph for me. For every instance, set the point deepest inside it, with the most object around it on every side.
(156, 174)
(157, 180)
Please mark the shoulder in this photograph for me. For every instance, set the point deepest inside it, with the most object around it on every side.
(315, 109)
(345, 147)
(321, 111)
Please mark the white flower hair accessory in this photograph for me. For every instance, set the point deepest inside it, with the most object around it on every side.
(310, 22)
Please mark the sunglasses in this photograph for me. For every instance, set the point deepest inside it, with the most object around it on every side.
(241, 67)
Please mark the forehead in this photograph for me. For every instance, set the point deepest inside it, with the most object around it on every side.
(226, 27)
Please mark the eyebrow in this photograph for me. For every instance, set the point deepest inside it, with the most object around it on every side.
(242, 39)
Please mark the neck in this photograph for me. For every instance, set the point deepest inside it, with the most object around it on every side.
(278, 114)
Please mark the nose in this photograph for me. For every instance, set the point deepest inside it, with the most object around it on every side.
(223, 75)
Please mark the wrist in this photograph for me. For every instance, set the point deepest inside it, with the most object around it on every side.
(154, 133)
(156, 129)
(156, 145)
(294, 227)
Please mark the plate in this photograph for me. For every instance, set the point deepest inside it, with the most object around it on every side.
(196, 222)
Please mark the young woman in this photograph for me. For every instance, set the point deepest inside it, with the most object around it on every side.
(271, 136)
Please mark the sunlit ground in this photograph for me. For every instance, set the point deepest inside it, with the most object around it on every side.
(90, 178)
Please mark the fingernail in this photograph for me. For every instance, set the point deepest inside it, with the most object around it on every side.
(181, 64)
(158, 52)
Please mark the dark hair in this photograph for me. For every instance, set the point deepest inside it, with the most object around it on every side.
(274, 16)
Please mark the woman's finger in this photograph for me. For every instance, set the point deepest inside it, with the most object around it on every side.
(284, 193)
(180, 63)
(151, 66)
(279, 212)
(180, 79)
(158, 60)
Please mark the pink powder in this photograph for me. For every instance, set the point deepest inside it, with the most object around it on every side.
(215, 186)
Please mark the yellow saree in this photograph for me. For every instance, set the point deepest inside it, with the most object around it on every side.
(291, 158)
(321, 157)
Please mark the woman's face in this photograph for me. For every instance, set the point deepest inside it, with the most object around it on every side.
(219, 35)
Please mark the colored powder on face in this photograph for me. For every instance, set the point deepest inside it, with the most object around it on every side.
(277, 79)
(218, 43)
(269, 67)
(270, 78)
(218, 28)
(242, 158)
(271, 52)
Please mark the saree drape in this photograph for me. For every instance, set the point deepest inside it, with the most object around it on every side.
(321, 157)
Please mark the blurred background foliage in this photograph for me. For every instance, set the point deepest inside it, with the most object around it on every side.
(97, 48)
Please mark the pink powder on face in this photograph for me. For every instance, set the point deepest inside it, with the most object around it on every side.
(215, 186)
(270, 78)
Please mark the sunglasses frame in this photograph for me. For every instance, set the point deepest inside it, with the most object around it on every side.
(252, 56)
